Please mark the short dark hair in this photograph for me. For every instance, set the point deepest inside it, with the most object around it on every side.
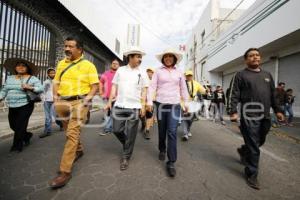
(250, 49)
(175, 60)
(281, 83)
(79, 43)
(115, 59)
(49, 70)
(289, 90)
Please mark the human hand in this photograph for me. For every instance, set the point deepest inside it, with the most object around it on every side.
(234, 117)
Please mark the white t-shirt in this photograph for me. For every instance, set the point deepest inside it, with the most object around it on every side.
(130, 84)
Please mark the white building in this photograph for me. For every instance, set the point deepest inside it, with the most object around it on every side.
(133, 35)
(88, 15)
(270, 25)
(213, 21)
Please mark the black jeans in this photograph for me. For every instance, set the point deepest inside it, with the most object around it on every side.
(125, 128)
(254, 133)
(18, 121)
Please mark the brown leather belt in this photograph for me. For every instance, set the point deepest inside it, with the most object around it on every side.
(73, 98)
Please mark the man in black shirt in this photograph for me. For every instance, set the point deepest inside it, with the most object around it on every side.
(254, 89)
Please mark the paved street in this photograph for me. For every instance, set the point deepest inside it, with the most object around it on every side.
(208, 168)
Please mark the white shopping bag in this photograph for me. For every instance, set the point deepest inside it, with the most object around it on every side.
(193, 106)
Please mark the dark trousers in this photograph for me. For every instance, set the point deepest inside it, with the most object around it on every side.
(125, 128)
(18, 121)
(254, 133)
(187, 122)
(168, 117)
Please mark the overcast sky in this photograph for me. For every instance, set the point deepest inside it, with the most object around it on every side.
(164, 23)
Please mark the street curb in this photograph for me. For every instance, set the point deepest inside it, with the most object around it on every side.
(3, 137)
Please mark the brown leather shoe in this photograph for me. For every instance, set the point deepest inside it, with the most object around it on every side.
(124, 164)
(61, 180)
(79, 154)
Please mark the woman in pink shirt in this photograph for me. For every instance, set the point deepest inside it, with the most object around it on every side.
(168, 83)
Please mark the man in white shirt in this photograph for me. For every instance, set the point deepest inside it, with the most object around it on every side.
(131, 83)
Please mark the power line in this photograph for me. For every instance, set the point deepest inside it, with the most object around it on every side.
(228, 15)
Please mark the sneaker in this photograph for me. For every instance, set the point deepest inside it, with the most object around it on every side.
(223, 123)
(185, 138)
(290, 124)
(171, 169)
(102, 133)
(147, 134)
(190, 134)
(253, 182)
(124, 164)
(44, 135)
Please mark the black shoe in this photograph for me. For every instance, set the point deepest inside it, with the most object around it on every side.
(162, 156)
(27, 138)
(44, 135)
(13, 148)
(19, 147)
(124, 164)
(79, 154)
(171, 169)
(253, 182)
(242, 157)
(147, 134)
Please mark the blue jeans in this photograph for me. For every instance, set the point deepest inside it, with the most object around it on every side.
(49, 113)
(168, 116)
(274, 118)
(108, 124)
(288, 108)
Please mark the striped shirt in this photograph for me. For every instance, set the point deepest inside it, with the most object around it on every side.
(13, 92)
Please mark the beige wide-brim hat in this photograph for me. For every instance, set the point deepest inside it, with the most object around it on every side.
(11, 63)
(172, 51)
(134, 50)
(150, 69)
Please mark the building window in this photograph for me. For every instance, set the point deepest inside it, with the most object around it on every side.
(202, 38)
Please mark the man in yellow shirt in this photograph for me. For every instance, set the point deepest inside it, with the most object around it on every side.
(75, 84)
(193, 88)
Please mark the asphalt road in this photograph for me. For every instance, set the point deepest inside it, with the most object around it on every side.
(208, 167)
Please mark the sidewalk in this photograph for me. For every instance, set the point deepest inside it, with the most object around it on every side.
(37, 119)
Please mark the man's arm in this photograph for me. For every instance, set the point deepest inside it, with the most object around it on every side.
(275, 103)
(91, 94)
(143, 101)
(101, 86)
(234, 97)
(113, 94)
(55, 89)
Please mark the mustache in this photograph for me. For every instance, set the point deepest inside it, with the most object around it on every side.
(68, 53)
